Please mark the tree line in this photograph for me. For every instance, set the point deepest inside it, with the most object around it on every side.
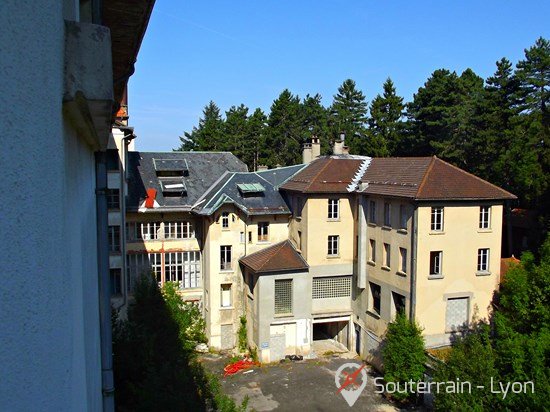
(496, 128)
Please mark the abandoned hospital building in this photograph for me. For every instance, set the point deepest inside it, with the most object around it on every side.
(335, 247)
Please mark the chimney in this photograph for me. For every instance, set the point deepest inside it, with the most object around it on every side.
(261, 167)
(311, 150)
(339, 146)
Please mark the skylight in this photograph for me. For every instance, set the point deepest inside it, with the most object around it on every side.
(248, 188)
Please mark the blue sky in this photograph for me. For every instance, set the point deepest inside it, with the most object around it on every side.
(248, 52)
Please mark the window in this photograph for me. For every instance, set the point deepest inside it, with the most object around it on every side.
(437, 219)
(249, 237)
(299, 240)
(178, 230)
(331, 287)
(403, 262)
(483, 260)
(113, 199)
(398, 303)
(225, 257)
(113, 161)
(333, 241)
(133, 231)
(283, 296)
(116, 281)
(333, 209)
(184, 268)
(436, 259)
(457, 315)
(150, 230)
(143, 264)
(485, 217)
(372, 253)
(225, 296)
(387, 255)
(114, 238)
(241, 237)
(375, 292)
(263, 231)
(225, 220)
(372, 211)
(299, 206)
(403, 217)
(387, 214)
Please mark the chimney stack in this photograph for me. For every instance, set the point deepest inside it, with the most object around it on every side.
(262, 167)
(311, 150)
(339, 145)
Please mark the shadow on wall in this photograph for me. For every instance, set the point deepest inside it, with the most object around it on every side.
(154, 369)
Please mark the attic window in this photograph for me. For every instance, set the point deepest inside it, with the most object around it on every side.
(171, 167)
(173, 187)
(250, 188)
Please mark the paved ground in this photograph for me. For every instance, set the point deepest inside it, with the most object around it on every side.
(296, 386)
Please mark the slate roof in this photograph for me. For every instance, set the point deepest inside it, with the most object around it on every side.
(277, 258)
(427, 178)
(328, 174)
(203, 170)
(269, 201)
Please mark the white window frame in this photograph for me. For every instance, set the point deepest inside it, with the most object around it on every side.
(225, 220)
(372, 247)
(241, 237)
(226, 298)
(333, 209)
(178, 230)
(263, 231)
(437, 256)
(437, 219)
(226, 258)
(387, 214)
(151, 230)
(485, 217)
(333, 245)
(114, 239)
(483, 256)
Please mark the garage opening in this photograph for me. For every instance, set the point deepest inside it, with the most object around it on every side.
(330, 335)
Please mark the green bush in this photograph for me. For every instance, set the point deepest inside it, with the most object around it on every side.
(242, 334)
(403, 353)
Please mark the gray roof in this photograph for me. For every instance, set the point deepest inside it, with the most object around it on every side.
(199, 171)
(229, 189)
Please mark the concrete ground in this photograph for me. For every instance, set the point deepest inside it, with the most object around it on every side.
(295, 386)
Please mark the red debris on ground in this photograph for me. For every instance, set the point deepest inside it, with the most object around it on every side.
(235, 367)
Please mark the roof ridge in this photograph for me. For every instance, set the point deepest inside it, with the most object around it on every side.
(424, 178)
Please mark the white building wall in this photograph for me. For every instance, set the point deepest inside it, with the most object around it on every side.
(49, 316)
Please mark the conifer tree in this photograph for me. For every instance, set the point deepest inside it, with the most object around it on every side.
(208, 135)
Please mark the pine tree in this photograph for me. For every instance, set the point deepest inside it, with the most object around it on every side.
(385, 126)
(209, 133)
(349, 116)
(315, 121)
(235, 130)
(284, 137)
(254, 148)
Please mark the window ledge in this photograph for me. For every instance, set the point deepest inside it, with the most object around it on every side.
(298, 218)
(371, 262)
(371, 224)
(283, 315)
(401, 273)
(386, 268)
(333, 219)
(489, 230)
(333, 256)
(386, 227)
(226, 229)
(226, 270)
(439, 276)
(373, 314)
(436, 232)
(226, 307)
(483, 273)
(403, 231)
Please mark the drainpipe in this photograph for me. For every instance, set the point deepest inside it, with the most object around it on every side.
(508, 211)
(103, 280)
(414, 239)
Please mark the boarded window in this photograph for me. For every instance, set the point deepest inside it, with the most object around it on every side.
(457, 314)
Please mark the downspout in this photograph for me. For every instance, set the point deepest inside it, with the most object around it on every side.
(414, 240)
(103, 281)
(508, 211)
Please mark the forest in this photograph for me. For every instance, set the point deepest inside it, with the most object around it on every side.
(496, 128)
